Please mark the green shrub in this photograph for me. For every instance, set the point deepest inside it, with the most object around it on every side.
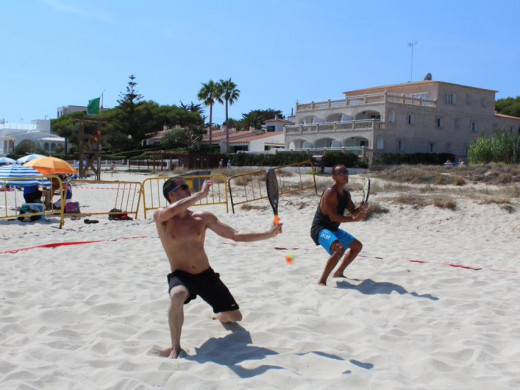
(413, 158)
(500, 148)
(286, 158)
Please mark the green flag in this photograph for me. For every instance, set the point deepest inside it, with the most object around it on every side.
(93, 106)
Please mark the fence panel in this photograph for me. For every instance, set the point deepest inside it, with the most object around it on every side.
(153, 197)
(101, 197)
(13, 205)
(250, 186)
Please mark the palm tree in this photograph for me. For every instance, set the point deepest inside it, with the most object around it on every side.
(230, 94)
(210, 92)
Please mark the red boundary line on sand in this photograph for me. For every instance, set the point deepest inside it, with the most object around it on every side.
(468, 267)
(58, 244)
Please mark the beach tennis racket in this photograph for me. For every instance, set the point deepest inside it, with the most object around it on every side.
(271, 183)
(366, 190)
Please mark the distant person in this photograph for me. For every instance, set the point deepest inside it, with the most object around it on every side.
(112, 168)
(329, 215)
(229, 164)
(221, 163)
(182, 233)
(461, 161)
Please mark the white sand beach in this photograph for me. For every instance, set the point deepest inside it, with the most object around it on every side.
(431, 303)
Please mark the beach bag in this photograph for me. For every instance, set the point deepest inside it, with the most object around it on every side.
(119, 217)
(72, 208)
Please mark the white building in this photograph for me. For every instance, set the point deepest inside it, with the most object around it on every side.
(37, 135)
(421, 117)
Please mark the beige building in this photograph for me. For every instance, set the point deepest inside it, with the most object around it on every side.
(417, 117)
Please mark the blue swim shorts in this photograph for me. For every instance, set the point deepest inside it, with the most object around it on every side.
(327, 238)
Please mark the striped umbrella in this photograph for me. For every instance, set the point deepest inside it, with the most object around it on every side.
(13, 171)
(29, 157)
(6, 160)
(19, 172)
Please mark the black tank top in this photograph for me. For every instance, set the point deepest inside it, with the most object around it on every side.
(322, 221)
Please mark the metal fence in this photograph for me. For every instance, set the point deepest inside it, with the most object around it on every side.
(250, 187)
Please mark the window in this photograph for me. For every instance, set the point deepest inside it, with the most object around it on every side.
(448, 147)
(483, 102)
(380, 143)
(450, 98)
(468, 100)
(410, 119)
(457, 123)
(391, 116)
(439, 123)
(432, 148)
(421, 96)
(474, 126)
(401, 145)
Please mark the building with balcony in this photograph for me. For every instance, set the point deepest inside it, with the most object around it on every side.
(418, 117)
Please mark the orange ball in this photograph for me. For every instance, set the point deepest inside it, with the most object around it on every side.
(289, 258)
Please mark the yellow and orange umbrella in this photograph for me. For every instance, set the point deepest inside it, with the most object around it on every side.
(51, 166)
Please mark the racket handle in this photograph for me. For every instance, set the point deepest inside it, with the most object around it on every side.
(276, 220)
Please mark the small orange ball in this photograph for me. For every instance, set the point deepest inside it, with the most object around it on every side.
(289, 258)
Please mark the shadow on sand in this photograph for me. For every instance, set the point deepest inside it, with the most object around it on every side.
(369, 287)
(233, 349)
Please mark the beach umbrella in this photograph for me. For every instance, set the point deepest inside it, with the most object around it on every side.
(12, 171)
(6, 160)
(51, 166)
(29, 157)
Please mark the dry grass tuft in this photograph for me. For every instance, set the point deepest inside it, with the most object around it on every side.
(496, 174)
(460, 181)
(414, 200)
(249, 206)
(445, 203)
(374, 209)
(507, 207)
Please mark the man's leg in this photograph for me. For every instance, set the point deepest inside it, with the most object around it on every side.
(337, 251)
(355, 248)
(178, 296)
(228, 316)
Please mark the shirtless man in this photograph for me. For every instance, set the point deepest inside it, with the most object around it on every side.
(329, 215)
(182, 233)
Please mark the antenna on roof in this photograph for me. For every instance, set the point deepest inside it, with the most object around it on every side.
(428, 76)
(412, 44)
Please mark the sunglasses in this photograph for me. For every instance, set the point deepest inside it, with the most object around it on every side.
(342, 173)
(183, 187)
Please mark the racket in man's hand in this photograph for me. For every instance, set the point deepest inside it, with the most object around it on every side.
(366, 191)
(271, 183)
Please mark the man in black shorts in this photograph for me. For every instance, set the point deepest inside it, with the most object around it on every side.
(182, 233)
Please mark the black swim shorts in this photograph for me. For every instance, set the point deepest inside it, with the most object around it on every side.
(208, 285)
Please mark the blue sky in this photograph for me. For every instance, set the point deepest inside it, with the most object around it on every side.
(57, 52)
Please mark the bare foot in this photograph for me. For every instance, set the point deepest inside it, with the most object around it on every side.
(336, 275)
(174, 354)
(320, 283)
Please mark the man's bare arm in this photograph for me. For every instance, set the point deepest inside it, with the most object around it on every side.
(329, 205)
(227, 231)
(162, 215)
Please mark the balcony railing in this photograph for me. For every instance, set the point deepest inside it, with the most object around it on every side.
(376, 98)
(330, 127)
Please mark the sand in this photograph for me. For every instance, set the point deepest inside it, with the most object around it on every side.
(431, 303)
